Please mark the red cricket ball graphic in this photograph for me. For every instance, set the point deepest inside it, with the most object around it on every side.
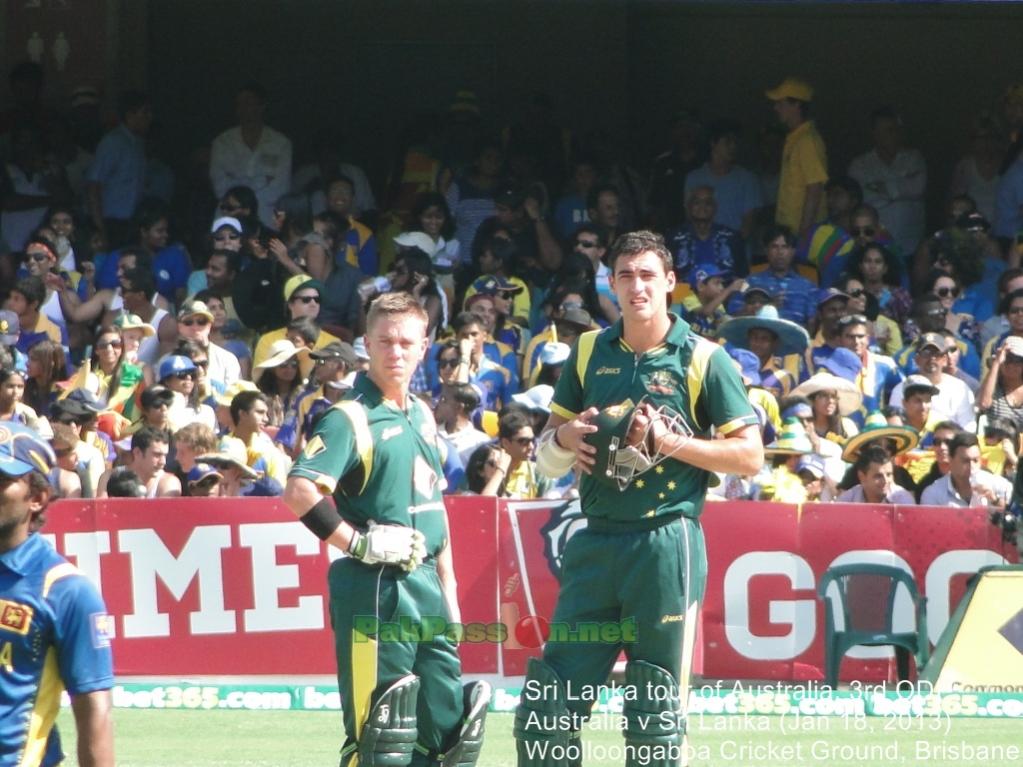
(532, 631)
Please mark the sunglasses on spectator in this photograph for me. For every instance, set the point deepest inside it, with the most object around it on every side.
(864, 231)
(206, 482)
(856, 293)
(232, 235)
(586, 244)
(852, 319)
(1015, 310)
(522, 440)
(307, 299)
(292, 363)
(946, 292)
(185, 375)
(200, 321)
(107, 344)
(448, 362)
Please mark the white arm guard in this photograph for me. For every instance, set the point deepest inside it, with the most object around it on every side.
(553, 461)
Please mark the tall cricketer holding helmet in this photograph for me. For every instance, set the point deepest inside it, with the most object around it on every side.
(636, 408)
(376, 452)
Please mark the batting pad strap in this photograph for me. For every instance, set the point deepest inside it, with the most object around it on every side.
(552, 460)
(322, 519)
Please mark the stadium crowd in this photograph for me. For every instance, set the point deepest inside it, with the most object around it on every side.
(885, 360)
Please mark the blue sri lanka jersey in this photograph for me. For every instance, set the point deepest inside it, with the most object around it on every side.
(54, 633)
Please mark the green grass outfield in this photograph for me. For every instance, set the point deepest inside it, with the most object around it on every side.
(293, 738)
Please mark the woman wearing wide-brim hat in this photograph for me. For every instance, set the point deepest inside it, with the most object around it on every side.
(280, 377)
(832, 399)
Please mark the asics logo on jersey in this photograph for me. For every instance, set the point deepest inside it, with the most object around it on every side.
(605, 371)
(386, 434)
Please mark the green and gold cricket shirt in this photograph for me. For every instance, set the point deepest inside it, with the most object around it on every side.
(688, 373)
(381, 463)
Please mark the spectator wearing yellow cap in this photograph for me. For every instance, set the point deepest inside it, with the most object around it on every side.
(303, 297)
(804, 166)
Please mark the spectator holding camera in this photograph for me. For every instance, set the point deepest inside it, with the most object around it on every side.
(1001, 391)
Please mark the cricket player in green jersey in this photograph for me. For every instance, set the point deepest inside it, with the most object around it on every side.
(393, 602)
(647, 410)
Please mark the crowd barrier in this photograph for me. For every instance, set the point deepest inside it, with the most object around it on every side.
(237, 587)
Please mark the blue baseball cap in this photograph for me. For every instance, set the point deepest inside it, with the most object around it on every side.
(174, 364)
(22, 450)
(704, 272)
(812, 464)
(842, 363)
(798, 410)
(829, 294)
(749, 364)
(201, 471)
(9, 328)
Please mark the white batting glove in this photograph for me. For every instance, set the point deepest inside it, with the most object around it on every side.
(389, 545)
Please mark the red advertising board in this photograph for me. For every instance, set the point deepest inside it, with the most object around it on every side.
(228, 587)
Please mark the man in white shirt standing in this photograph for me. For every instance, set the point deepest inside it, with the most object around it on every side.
(252, 154)
(894, 180)
(966, 484)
